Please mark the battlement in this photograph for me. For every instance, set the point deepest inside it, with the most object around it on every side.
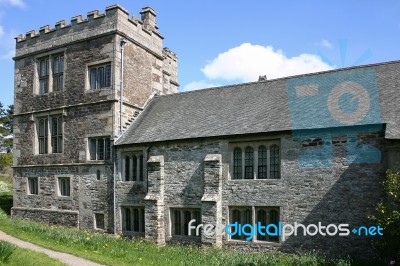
(169, 53)
(116, 18)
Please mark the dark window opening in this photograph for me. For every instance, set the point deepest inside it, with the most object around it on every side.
(237, 163)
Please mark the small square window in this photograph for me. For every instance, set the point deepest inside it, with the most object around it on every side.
(98, 174)
(99, 221)
(33, 186)
(64, 186)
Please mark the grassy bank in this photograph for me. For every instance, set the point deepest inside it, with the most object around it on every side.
(110, 250)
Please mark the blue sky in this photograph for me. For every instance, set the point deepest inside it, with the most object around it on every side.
(221, 42)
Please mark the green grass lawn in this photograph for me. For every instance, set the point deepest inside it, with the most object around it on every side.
(111, 250)
(19, 256)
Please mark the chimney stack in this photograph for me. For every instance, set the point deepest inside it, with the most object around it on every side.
(262, 78)
(149, 18)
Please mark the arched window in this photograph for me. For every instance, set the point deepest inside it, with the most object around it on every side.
(274, 162)
(134, 168)
(262, 218)
(237, 163)
(127, 167)
(262, 162)
(273, 219)
(249, 163)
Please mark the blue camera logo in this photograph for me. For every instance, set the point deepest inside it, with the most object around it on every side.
(322, 105)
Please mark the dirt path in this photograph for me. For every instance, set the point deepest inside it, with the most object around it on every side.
(63, 257)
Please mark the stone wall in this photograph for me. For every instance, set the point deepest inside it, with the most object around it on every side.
(88, 195)
(345, 193)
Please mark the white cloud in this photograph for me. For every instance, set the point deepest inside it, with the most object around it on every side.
(17, 3)
(1, 31)
(247, 62)
(325, 43)
(197, 85)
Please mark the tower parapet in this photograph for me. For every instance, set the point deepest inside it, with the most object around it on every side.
(116, 19)
(170, 71)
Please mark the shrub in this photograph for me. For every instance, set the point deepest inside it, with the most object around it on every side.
(388, 215)
(6, 160)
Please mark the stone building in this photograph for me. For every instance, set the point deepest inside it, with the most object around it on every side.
(284, 150)
(303, 149)
(68, 110)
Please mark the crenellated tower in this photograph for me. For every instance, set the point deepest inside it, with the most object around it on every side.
(77, 87)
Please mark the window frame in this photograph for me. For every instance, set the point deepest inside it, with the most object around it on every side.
(96, 153)
(136, 167)
(95, 223)
(46, 140)
(44, 78)
(179, 228)
(252, 162)
(135, 224)
(99, 76)
(50, 71)
(57, 134)
(58, 74)
(253, 219)
(35, 185)
(64, 180)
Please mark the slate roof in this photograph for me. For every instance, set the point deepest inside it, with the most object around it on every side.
(251, 108)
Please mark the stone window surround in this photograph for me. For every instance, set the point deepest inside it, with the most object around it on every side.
(28, 191)
(137, 151)
(104, 62)
(139, 168)
(254, 144)
(49, 55)
(122, 208)
(254, 209)
(171, 220)
(58, 177)
(89, 137)
(35, 118)
(95, 221)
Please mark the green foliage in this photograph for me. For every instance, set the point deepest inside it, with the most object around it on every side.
(7, 117)
(388, 215)
(6, 160)
(6, 250)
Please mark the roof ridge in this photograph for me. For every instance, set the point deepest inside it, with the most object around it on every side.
(277, 79)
